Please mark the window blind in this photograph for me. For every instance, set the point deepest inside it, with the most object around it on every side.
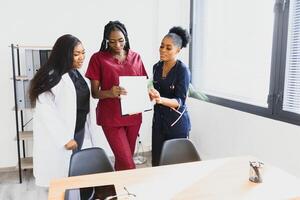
(232, 49)
(291, 98)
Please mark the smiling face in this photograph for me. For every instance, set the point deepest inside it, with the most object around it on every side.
(116, 41)
(78, 56)
(168, 51)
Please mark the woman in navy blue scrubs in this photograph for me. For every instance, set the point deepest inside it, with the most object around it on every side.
(171, 79)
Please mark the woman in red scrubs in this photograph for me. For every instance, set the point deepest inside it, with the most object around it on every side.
(115, 59)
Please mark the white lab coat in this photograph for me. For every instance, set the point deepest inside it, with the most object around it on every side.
(53, 126)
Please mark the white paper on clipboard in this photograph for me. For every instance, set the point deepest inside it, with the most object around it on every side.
(137, 98)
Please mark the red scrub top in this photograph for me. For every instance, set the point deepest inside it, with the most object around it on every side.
(107, 69)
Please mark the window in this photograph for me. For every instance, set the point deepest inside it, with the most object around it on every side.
(291, 100)
(246, 55)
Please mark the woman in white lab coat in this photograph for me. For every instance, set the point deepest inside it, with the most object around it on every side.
(61, 118)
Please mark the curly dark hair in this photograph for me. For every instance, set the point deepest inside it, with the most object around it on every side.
(180, 36)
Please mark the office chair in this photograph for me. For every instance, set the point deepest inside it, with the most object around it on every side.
(179, 150)
(89, 161)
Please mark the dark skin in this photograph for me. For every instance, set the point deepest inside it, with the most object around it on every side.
(116, 46)
(168, 54)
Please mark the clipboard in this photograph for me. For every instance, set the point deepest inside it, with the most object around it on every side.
(137, 99)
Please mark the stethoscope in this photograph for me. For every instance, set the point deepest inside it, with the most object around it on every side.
(172, 87)
(180, 115)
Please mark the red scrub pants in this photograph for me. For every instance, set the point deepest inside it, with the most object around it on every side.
(122, 141)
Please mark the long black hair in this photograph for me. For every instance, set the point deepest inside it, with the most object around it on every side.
(180, 36)
(114, 26)
(60, 61)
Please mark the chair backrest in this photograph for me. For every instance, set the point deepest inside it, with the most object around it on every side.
(179, 150)
(89, 161)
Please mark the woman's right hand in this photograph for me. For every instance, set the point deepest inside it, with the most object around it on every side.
(117, 91)
(71, 145)
(153, 93)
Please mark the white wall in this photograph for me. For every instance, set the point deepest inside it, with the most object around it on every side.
(219, 132)
(35, 22)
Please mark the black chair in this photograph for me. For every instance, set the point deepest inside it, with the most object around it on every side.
(179, 150)
(89, 161)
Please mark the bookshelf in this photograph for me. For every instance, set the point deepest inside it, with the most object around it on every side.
(26, 60)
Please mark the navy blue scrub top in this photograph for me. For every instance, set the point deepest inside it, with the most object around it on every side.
(174, 86)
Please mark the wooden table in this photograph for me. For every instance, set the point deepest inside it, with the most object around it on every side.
(225, 178)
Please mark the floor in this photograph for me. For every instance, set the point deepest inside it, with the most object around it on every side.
(10, 189)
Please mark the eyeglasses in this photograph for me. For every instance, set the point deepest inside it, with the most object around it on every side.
(127, 195)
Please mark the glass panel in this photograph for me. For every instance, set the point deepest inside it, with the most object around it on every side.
(232, 47)
(291, 100)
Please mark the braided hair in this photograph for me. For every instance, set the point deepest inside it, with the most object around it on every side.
(180, 36)
(114, 26)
